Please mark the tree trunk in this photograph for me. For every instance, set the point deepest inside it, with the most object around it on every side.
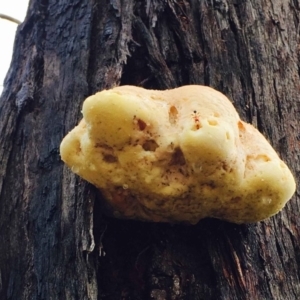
(55, 242)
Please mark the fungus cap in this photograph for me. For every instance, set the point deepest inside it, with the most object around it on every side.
(176, 156)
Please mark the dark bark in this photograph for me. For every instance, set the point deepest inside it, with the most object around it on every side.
(53, 234)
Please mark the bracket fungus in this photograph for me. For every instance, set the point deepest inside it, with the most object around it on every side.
(178, 155)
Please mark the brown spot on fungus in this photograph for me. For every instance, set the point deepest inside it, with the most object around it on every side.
(177, 158)
(150, 145)
(142, 125)
(109, 158)
(173, 114)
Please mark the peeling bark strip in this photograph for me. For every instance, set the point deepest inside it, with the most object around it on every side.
(53, 235)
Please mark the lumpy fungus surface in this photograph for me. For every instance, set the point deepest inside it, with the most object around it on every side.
(178, 155)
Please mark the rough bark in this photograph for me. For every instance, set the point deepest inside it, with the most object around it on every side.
(53, 234)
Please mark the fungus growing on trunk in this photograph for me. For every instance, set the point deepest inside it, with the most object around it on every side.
(176, 156)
